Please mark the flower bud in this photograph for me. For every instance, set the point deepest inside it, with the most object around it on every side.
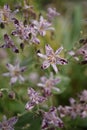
(11, 95)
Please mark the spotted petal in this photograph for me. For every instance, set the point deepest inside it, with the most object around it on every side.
(10, 67)
(29, 105)
(13, 80)
(49, 50)
(59, 50)
(12, 121)
(54, 67)
(45, 64)
(61, 61)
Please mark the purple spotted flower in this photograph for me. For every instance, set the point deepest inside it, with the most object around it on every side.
(51, 119)
(83, 52)
(52, 58)
(15, 73)
(80, 52)
(35, 99)
(8, 124)
(76, 108)
(9, 44)
(42, 26)
(83, 96)
(48, 84)
(52, 13)
(6, 14)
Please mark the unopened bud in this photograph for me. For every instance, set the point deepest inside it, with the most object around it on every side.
(22, 46)
(11, 95)
(2, 25)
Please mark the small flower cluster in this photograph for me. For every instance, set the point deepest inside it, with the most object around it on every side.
(29, 31)
(9, 44)
(76, 108)
(80, 52)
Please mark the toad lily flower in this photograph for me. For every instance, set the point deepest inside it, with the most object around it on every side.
(52, 58)
(50, 119)
(8, 124)
(52, 13)
(49, 84)
(6, 14)
(35, 99)
(15, 73)
(9, 44)
(83, 96)
(42, 26)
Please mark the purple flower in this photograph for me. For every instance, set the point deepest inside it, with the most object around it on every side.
(52, 58)
(6, 15)
(15, 73)
(52, 13)
(35, 99)
(48, 84)
(51, 119)
(28, 11)
(64, 111)
(8, 124)
(76, 108)
(83, 96)
(9, 44)
(42, 26)
(82, 51)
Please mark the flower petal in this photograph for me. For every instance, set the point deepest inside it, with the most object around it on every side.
(49, 50)
(41, 85)
(29, 105)
(13, 80)
(56, 81)
(43, 79)
(56, 89)
(61, 61)
(59, 50)
(10, 67)
(45, 64)
(55, 68)
(12, 121)
(6, 74)
(42, 55)
(21, 78)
